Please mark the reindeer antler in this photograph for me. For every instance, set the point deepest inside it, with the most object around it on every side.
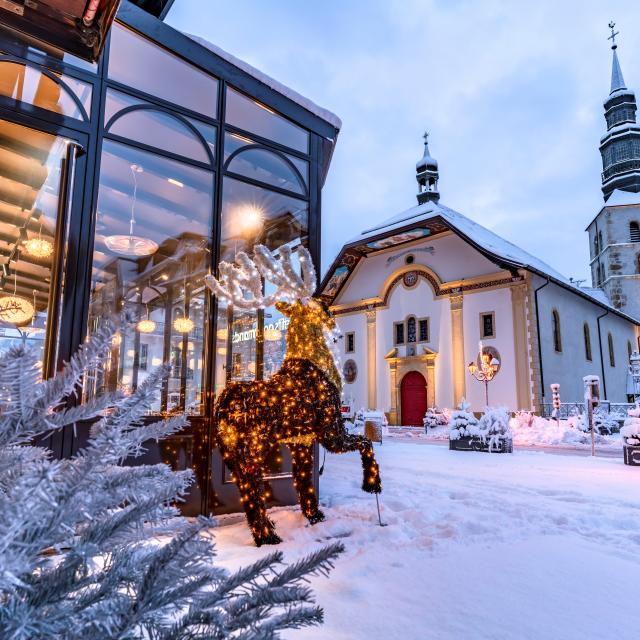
(235, 282)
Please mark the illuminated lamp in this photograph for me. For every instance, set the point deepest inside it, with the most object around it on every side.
(251, 367)
(16, 309)
(222, 334)
(222, 351)
(146, 326)
(183, 324)
(38, 247)
(272, 334)
(132, 245)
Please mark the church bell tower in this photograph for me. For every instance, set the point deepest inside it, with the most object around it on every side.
(427, 175)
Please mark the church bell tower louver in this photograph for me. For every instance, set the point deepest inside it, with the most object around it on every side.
(620, 146)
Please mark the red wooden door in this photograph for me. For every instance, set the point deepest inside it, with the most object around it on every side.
(413, 397)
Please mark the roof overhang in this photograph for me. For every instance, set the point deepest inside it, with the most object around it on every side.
(353, 253)
(79, 27)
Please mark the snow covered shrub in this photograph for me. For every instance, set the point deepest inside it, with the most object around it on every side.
(461, 421)
(93, 549)
(604, 422)
(524, 419)
(630, 431)
(493, 427)
(434, 418)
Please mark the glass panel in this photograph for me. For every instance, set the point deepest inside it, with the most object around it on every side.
(263, 165)
(139, 63)
(411, 330)
(250, 115)
(156, 128)
(252, 344)
(27, 84)
(151, 252)
(30, 165)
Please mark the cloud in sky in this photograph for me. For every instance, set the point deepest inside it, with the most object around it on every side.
(511, 92)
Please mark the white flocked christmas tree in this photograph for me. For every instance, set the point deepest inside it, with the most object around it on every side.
(630, 431)
(461, 421)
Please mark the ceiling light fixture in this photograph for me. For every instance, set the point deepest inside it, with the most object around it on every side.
(132, 245)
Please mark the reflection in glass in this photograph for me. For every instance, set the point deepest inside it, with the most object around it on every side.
(251, 344)
(138, 62)
(265, 165)
(250, 115)
(30, 165)
(157, 128)
(158, 290)
(27, 84)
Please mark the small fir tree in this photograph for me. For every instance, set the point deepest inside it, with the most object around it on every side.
(630, 431)
(93, 549)
(493, 427)
(461, 421)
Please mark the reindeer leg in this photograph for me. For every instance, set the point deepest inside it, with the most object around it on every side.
(302, 459)
(252, 497)
(342, 442)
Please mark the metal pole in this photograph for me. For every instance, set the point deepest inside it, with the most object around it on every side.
(486, 391)
(590, 418)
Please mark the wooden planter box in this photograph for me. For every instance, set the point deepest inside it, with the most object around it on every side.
(475, 443)
(632, 455)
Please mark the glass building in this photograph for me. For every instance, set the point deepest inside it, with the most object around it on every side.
(122, 183)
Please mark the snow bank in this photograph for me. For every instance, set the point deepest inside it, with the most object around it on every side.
(478, 547)
(548, 433)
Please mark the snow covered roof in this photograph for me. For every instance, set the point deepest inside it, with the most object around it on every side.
(485, 241)
(282, 89)
(618, 198)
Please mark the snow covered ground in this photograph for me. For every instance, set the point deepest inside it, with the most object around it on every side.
(479, 546)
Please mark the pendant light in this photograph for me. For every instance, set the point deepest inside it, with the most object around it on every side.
(15, 309)
(146, 325)
(183, 324)
(132, 245)
(38, 247)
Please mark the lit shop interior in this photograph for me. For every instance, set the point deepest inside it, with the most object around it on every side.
(122, 183)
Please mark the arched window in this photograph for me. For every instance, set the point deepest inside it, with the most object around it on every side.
(557, 337)
(634, 232)
(629, 349)
(612, 355)
(596, 245)
(638, 263)
(587, 342)
(411, 329)
(600, 244)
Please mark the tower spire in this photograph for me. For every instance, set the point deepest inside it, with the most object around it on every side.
(427, 175)
(617, 79)
(620, 145)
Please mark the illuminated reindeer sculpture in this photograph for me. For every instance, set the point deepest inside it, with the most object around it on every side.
(299, 405)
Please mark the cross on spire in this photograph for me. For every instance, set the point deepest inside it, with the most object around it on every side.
(612, 37)
(426, 136)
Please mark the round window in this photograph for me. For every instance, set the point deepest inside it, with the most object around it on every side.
(350, 371)
(409, 259)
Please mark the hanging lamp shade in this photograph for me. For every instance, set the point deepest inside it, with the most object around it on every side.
(272, 334)
(135, 246)
(16, 309)
(183, 324)
(38, 247)
(146, 326)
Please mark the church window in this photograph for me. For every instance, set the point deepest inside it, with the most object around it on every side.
(411, 329)
(634, 232)
(557, 337)
(600, 243)
(587, 342)
(638, 263)
(629, 349)
(488, 324)
(423, 330)
(350, 342)
(409, 259)
(399, 332)
(612, 355)
(596, 245)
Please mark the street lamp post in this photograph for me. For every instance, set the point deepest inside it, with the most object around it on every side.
(487, 370)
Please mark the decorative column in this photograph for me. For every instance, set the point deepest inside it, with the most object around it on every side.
(394, 417)
(457, 348)
(518, 306)
(371, 358)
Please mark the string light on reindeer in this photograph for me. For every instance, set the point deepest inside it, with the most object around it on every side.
(299, 405)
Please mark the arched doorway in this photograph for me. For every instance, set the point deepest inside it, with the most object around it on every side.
(413, 398)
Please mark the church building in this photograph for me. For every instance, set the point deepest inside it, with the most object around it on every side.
(423, 297)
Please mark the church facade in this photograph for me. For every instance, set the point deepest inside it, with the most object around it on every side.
(427, 292)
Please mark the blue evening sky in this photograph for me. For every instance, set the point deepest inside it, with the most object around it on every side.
(511, 92)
